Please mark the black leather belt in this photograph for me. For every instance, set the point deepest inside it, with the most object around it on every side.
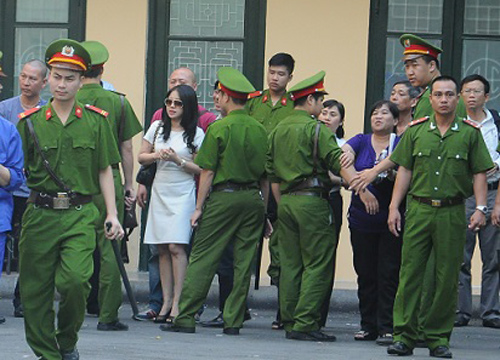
(232, 187)
(493, 185)
(60, 201)
(320, 194)
(438, 202)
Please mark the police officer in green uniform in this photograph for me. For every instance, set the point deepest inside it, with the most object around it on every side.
(124, 126)
(58, 235)
(442, 160)
(269, 107)
(306, 232)
(232, 159)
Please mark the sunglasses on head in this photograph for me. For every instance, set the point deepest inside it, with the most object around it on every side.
(176, 103)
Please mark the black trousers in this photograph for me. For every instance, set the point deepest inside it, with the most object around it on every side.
(377, 259)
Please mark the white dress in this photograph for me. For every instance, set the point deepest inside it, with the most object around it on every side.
(173, 192)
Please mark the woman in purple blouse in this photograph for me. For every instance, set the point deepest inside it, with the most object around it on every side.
(377, 253)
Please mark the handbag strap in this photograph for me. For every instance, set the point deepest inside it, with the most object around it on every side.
(315, 150)
(156, 135)
(45, 162)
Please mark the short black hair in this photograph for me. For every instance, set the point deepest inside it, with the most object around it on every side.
(476, 77)
(392, 108)
(327, 104)
(444, 78)
(93, 72)
(301, 101)
(216, 85)
(412, 90)
(428, 59)
(283, 59)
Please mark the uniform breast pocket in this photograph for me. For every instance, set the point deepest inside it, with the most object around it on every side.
(457, 161)
(83, 151)
(421, 158)
(49, 150)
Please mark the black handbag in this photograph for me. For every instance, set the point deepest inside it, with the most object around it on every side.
(147, 173)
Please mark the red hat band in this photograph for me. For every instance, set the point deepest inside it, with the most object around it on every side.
(318, 87)
(75, 59)
(420, 49)
(232, 93)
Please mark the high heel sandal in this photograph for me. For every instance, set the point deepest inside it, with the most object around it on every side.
(170, 319)
(162, 319)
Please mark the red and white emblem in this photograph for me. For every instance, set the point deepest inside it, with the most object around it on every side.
(68, 51)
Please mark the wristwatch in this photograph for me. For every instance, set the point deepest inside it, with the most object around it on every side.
(183, 163)
(482, 208)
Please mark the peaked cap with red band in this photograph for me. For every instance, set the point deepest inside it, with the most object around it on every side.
(311, 85)
(234, 83)
(415, 47)
(67, 54)
(98, 52)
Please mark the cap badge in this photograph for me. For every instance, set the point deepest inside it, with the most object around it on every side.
(407, 43)
(68, 51)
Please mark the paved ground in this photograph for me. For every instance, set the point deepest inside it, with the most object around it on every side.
(257, 341)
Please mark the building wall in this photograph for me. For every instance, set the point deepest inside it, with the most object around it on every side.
(330, 35)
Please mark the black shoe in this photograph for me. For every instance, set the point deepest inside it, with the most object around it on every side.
(18, 311)
(492, 323)
(93, 310)
(441, 352)
(176, 328)
(231, 331)
(112, 326)
(399, 348)
(217, 322)
(247, 316)
(70, 355)
(2, 319)
(310, 336)
(460, 321)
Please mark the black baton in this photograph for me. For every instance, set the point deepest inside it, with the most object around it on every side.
(123, 273)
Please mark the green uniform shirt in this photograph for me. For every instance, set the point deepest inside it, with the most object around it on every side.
(290, 156)
(235, 149)
(75, 151)
(423, 107)
(261, 108)
(442, 167)
(94, 94)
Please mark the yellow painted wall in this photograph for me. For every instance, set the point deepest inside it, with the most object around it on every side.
(124, 33)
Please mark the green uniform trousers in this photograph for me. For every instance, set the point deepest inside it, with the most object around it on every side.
(307, 244)
(442, 230)
(274, 266)
(110, 286)
(55, 253)
(238, 217)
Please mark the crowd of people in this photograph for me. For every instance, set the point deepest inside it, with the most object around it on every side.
(270, 164)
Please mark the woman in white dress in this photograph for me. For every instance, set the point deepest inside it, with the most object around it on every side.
(172, 143)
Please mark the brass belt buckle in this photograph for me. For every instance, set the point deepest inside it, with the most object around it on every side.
(436, 203)
(61, 202)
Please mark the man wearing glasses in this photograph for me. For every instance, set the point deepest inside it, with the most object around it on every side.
(475, 92)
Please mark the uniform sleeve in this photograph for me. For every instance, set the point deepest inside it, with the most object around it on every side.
(207, 157)
(132, 124)
(479, 159)
(22, 128)
(403, 153)
(328, 150)
(108, 150)
(271, 175)
(15, 159)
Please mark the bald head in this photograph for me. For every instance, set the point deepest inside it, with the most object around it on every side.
(182, 76)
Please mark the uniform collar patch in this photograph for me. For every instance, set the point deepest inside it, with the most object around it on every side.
(48, 114)
(78, 112)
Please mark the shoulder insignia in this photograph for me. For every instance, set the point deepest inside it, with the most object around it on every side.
(418, 121)
(471, 123)
(97, 110)
(255, 94)
(118, 93)
(264, 99)
(27, 113)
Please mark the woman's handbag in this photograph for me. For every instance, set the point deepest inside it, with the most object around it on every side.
(147, 173)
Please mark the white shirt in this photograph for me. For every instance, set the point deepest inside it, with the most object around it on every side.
(490, 135)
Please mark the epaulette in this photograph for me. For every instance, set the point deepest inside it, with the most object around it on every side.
(29, 112)
(97, 110)
(118, 93)
(419, 121)
(255, 94)
(471, 123)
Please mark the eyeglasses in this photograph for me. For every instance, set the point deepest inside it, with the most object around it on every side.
(472, 91)
(176, 103)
